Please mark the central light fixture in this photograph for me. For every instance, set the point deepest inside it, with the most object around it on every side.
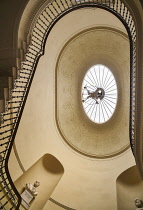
(99, 93)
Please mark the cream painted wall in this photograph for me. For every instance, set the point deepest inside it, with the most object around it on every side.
(87, 183)
(51, 205)
(94, 46)
(48, 172)
(14, 165)
(129, 187)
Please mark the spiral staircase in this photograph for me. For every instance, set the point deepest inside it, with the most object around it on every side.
(15, 83)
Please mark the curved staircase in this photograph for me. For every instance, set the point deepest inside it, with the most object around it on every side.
(15, 83)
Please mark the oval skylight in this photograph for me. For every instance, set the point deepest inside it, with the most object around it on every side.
(99, 94)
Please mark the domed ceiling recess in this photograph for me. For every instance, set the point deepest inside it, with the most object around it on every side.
(109, 48)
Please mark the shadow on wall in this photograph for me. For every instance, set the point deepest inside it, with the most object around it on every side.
(48, 171)
(129, 187)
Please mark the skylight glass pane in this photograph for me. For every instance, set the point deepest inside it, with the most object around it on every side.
(99, 94)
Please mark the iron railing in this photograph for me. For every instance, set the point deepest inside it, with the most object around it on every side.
(10, 198)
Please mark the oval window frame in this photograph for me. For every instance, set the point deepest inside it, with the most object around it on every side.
(99, 94)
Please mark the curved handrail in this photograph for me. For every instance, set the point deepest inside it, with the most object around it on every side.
(43, 25)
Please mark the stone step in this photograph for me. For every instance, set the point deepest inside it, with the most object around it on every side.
(6, 82)
(8, 78)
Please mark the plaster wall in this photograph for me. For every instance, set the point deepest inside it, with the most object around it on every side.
(48, 171)
(90, 47)
(129, 187)
(87, 183)
(26, 19)
(10, 14)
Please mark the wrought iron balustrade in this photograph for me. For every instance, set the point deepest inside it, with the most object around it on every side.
(9, 197)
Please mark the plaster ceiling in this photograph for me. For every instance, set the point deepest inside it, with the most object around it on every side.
(93, 46)
(86, 180)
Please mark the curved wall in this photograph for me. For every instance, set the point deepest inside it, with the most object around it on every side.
(129, 187)
(48, 171)
(86, 181)
(94, 46)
